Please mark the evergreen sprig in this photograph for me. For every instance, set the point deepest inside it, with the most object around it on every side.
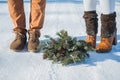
(65, 49)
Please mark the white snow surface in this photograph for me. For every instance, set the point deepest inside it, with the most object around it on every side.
(30, 66)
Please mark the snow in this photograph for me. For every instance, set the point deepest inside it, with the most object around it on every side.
(29, 66)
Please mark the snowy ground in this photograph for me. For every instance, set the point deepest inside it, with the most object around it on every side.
(28, 66)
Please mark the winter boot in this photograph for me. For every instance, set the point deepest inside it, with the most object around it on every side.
(19, 43)
(91, 21)
(33, 42)
(108, 33)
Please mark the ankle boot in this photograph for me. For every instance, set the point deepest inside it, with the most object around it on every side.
(91, 40)
(19, 42)
(108, 33)
(33, 42)
(91, 21)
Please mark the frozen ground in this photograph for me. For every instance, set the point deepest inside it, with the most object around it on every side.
(28, 66)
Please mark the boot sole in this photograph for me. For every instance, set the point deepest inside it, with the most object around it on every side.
(34, 51)
(103, 51)
(16, 50)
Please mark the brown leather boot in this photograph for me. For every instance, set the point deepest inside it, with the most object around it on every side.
(19, 43)
(91, 21)
(33, 42)
(108, 33)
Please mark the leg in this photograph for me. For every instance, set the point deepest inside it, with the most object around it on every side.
(107, 6)
(37, 14)
(16, 10)
(91, 21)
(36, 23)
(108, 26)
(89, 5)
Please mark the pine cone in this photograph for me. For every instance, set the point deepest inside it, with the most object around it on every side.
(62, 53)
(45, 56)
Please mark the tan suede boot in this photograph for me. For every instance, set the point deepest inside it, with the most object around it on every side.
(106, 44)
(19, 43)
(91, 40)
(33, 42)
(108, 33)
(91, 21)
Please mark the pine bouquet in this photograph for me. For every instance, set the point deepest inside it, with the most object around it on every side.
(65, 49)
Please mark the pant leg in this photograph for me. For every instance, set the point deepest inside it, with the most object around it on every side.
(89, 5)
(37, 14)
(107, 6)
(16, 9)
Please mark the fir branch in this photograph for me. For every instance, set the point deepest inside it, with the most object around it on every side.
(65, 49)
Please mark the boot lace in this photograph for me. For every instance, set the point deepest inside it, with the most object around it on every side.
(34, 37)
(19, 35)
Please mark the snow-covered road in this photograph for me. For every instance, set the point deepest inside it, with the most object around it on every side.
(28, 66)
